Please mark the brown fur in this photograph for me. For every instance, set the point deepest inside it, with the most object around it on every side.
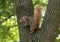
(33, 22)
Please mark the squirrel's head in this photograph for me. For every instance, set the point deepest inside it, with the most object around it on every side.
(23, 19)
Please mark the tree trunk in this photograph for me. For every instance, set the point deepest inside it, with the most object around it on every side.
(24, 8)
(51, 22)
(50, 25)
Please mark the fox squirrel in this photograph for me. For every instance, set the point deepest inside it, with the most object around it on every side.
(33, 22)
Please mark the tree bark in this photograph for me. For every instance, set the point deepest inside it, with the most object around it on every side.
(50, 25)
(51, 22)
(24, 8)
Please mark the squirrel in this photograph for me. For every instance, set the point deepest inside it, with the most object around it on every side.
(33, 22)
(28, 21)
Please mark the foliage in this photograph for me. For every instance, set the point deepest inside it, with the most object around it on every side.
(40, 2)
(8, 20)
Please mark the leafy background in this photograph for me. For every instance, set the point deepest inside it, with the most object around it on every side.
(8, 20)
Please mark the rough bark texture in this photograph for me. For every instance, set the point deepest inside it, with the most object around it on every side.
(51, 23)
(23, 8)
